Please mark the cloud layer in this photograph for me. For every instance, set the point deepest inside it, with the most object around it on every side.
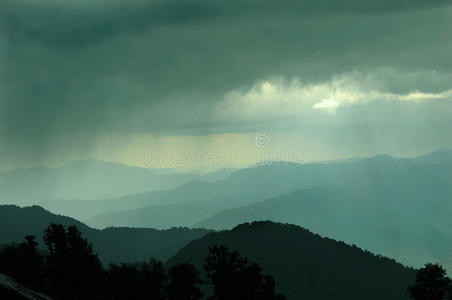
(75, 71)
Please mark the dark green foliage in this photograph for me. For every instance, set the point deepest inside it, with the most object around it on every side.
(23, 262)
(73, 268)
(184, 281)
(137, 281)
(155, 275)
(223, 269)
(123, 281)
(431, 284)
(233, 277)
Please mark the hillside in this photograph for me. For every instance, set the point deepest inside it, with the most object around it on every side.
(410, 238)
(112, 244)
(307, 266)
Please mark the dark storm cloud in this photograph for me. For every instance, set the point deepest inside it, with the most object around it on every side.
(73, 69)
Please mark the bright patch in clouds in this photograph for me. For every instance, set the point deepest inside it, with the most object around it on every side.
(280, 98)
(326, 104)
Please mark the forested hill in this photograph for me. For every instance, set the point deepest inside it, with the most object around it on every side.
(112, 244)
(307, 266)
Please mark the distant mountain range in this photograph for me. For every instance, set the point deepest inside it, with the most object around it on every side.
(112, 244)
(89, 180)
(398, 207)
(305, 265)
(163, 216)
(380, 178)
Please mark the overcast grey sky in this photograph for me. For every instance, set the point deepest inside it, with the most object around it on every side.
(331, 78)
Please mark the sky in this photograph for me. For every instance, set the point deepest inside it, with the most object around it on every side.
(196, 83)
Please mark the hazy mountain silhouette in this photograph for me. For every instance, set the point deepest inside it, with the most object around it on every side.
(89, 180)
(411, 238)
(305, 265)
(141, 180)
(394, 184)
(242, 187)
(84, 179)
(443, 156)
(217, 175)
(112, 244)
(322, 208)
(165, 216)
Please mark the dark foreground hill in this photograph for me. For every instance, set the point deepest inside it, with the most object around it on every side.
(333, 212)
(307, 266)
(112, 244)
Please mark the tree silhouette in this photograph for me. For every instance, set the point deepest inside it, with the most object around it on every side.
(33, 263)
(233, 277)
(123, 282)
(23, 263)
(184, 281)
(137, 281)
(431, 284)
(74, 271)
(153, 276)
(223, 267)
